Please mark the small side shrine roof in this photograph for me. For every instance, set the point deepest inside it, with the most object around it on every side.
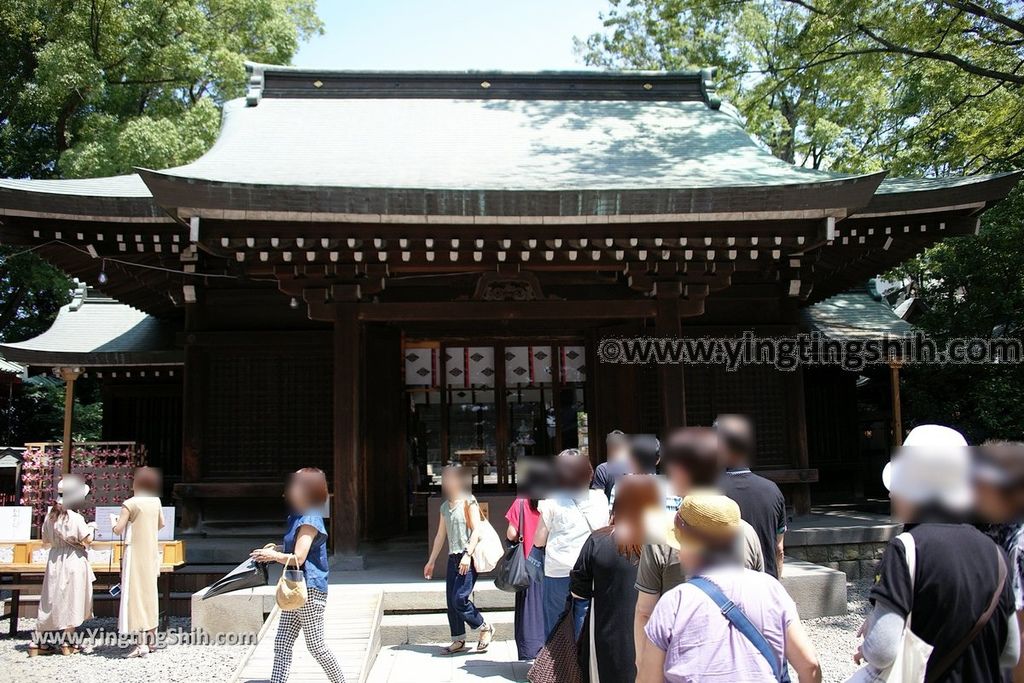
(855, 315)
(96, 331)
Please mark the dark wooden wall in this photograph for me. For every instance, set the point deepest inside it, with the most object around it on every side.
(150, 414)
(626, 398)
(758, 391)
(613, 390)
(268, 411)
(833, 430)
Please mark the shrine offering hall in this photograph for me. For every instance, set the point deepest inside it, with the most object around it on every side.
(379, 273)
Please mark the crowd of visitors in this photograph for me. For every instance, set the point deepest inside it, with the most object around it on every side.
(677, 577)
(666, 562)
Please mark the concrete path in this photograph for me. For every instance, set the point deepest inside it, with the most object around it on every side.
(352, 627)
(422, 663)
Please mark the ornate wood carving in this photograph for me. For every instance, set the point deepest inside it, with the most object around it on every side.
(522, 286)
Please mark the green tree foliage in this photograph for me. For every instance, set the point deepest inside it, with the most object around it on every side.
(31, 293)
(917, 87)
(972, 287)
(36, 412)
(99, 87)
(850, 85)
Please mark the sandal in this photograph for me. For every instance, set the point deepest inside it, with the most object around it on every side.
(35, 649)
(456, 646)
(486, 636)
(139, 651)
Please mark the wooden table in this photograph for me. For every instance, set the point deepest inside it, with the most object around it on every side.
(21, 576)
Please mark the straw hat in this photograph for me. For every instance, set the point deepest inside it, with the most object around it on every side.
(705, 519)
(71, 490)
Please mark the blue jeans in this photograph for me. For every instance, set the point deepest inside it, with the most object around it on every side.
(459, 587)
(556, 590)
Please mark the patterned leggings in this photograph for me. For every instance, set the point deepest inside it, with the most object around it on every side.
(310, 620)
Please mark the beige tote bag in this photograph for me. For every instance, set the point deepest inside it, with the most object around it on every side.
(291, 591)
(913, 653)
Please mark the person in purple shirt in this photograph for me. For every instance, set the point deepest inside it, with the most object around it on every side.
(690, 639)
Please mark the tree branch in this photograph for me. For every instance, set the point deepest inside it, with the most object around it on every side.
(979, 11)
(963, 64)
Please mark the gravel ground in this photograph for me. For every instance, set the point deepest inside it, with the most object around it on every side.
(176, 663)
(835, 638)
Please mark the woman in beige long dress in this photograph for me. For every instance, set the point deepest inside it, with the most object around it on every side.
(141, 519)
(66, 597)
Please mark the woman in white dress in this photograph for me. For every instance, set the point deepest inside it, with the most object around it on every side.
(140, 521)
(66, 597)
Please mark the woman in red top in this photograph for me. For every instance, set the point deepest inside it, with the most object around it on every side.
(523, 517)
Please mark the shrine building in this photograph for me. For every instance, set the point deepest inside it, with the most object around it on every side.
(377, 273)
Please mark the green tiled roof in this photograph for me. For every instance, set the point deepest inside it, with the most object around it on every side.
(855, 315)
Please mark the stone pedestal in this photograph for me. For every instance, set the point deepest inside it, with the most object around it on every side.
(243, 611)
(817, 591)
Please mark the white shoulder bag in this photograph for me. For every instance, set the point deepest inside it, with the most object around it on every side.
(488, 546)
(913, 653)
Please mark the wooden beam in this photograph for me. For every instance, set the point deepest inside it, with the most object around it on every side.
(499, 310)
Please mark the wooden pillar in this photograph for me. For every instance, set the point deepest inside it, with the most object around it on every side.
(193, 427)
(348, 472)
(897, 409)
(69, 375)
(195, 390)
(801, 491)
(668, 325)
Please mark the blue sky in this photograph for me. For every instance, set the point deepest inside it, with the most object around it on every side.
(450, 34)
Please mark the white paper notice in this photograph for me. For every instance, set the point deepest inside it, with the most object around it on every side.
(15, 523)
(167, 533)
(104, 524)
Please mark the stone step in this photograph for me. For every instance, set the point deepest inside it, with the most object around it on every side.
(818, 591)
(402, 629)
(429, 596)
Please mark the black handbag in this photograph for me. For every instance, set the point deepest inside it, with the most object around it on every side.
(249, 574)
(510, 575)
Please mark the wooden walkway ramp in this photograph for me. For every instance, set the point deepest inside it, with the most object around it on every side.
(352, 627)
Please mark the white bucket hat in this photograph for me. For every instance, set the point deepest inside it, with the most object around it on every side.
(933, 466)
(71, 490)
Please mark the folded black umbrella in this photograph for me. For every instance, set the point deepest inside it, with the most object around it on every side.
(249, 574)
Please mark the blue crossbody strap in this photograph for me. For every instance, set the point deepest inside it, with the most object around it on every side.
(738, 619)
